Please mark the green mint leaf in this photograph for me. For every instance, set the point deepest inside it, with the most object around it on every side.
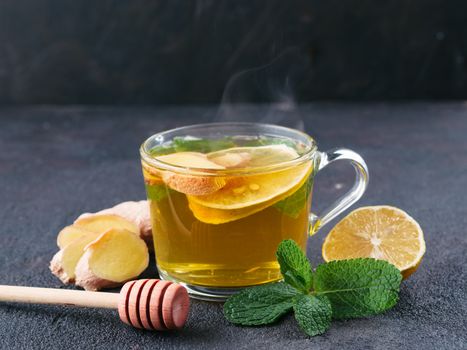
(294, 204)
(358, 287)
(313, 313)
(157, 192)
(295, 267)
(260, 305)
(181, 144)
(162, 150)
(278, 141)
(266, 141)
(201, 145)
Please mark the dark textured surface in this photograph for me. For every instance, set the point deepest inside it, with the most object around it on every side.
(159, 51)
(58, 162)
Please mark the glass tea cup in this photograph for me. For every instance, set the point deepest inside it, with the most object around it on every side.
(224, 195)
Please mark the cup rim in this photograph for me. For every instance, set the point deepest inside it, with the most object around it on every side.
(146, 157)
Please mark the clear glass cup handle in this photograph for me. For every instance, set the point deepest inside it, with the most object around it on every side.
(354, 194)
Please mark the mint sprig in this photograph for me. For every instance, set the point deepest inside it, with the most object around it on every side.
(335, 290)
(295, 267)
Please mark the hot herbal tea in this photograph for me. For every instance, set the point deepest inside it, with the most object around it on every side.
(221, 206)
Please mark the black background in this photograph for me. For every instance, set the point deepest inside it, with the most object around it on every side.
(185, 52)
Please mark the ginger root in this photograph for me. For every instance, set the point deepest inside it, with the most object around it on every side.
(70, 234)
(103, 222)
(63, 263)
(74, 241)
(135, 212)
(115, 257)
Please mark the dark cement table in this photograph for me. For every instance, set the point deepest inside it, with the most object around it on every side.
(58, 162)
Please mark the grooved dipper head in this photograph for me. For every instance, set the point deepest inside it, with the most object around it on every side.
(153, 304)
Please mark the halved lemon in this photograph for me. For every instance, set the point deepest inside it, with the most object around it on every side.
(380, 232)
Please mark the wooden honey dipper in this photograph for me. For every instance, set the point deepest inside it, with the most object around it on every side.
(151, 304)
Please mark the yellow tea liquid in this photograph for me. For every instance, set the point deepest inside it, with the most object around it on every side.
(199, 242)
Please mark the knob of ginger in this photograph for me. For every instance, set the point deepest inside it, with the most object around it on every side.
(115, 257)
(126, 222)
(134, 212)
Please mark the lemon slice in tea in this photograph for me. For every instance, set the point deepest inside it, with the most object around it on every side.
(219, 216)
(248, 190)
(244, 191)
(380, 232)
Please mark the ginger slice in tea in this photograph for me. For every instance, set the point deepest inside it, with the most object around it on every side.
(241, 157)
(232, 159)
(191, 184)
(189, 160)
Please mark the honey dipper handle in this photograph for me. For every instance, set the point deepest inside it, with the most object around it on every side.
(33, 295)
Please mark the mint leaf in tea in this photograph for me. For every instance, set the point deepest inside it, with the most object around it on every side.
(293, 205)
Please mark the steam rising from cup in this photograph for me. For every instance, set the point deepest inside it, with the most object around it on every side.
(274, 85)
